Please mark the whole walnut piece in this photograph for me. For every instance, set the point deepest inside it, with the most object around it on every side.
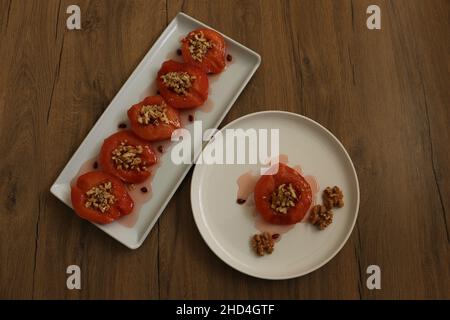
(262, 243)
(333, 197)
(320, 216)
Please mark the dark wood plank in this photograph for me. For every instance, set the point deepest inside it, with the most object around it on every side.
(401, 224)
(65, 80)
(432, 56)
(22, 100)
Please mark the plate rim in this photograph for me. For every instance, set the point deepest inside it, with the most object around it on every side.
(196, 174)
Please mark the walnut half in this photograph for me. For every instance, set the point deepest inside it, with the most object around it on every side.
(333, 197)
(262, 243)
(320, 216)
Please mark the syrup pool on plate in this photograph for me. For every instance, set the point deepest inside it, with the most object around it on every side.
(89, 165)
(207, 106)
(140, 193)
(187, 117)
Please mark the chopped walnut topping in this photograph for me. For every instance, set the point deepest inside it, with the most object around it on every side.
(283, 198)
(127, 157)
(100, 197)
(320, 216)
(153, 114)
(262, 243)
(333, 197)
(199, 46)
(179, 82)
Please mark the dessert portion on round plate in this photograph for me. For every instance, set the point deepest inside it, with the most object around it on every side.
(284, 197)
(263, 219)
(128, 157)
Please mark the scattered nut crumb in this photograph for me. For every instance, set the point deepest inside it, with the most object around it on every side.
(153, 114)
(128, 157)
(199, 46)
(179, 82)
(262, 243)
(100, 197)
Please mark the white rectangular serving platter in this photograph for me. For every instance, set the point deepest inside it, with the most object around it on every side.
(223, 92)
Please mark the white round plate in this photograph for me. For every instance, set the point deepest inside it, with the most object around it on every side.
(227, 227)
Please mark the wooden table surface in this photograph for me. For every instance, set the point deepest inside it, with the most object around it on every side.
(383, 93)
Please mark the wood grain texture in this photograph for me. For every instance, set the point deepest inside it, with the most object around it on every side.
(383, 93)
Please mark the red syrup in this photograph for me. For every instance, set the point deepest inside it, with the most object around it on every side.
(185, 116)
(139, 199)
(88, 166)
(246, 185)
(207, 106)
(229, 61)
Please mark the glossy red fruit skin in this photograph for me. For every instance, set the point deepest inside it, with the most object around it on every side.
(107, 164)
(214, 60)
(195, 96)
(151, 132)
(269, 183)
(123, 205)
